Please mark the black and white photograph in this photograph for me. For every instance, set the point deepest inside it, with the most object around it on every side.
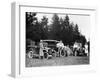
(57, 39)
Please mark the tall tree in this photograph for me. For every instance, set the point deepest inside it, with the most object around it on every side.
(30, 19)
(44, 28)
(32, 26)
(30, 23)
(76, 29)
(55, 27)
(44, 22)
(65, 31)
(76, 33)
(66, 21)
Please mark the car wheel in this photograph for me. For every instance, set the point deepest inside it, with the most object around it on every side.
(46, 55)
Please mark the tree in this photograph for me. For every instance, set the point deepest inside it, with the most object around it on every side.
(76, 29)
(32, 27)
(76, 33)
(30, 24)
(82, 39)
(44, 22)
(61, 20)
(59, 29)
(66, 21)
(30, 19)
(65, 33)
(78, 36)
(44, 28)
(55, 27)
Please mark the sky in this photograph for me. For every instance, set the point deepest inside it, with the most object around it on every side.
(82, 21)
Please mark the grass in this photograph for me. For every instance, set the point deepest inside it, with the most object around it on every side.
(58, 61)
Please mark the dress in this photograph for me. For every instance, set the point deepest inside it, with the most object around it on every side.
(86, 49)
(41, 49)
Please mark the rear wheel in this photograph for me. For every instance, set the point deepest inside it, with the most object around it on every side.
(46, 55)
(62, 53)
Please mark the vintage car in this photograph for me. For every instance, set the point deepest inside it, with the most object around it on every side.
(50, 50)
(78, 50)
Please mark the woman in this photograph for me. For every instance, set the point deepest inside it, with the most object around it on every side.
(41, 49)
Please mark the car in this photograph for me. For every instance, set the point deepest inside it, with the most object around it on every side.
(50, 49)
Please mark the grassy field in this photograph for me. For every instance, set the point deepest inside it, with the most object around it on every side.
(71, 60)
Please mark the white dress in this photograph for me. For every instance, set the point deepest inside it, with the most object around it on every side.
(86, 49)
(41, 49)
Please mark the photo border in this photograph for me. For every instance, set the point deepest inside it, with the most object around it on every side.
(16, 64)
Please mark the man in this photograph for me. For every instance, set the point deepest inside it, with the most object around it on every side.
(41, 49)
(60, 47)
(76, 48)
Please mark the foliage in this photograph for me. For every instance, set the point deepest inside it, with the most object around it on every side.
(59, 29)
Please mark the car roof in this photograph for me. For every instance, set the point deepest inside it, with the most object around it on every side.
(50, 40)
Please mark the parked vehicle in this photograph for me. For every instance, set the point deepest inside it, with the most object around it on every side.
(50, 50)
(78, 50)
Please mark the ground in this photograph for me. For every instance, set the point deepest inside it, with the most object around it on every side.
(71, 60)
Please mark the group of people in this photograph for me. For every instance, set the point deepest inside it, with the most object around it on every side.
(61, 47)
(78, 48)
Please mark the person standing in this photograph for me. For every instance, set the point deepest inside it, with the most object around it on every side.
(60, 47)
(41, 50)
(86, 49)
